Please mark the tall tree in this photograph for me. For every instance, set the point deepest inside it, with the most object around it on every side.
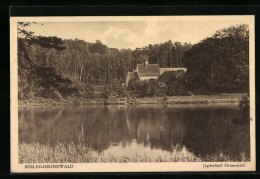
(30, 73)
(220, 62)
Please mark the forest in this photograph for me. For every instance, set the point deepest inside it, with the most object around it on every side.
(51, 67)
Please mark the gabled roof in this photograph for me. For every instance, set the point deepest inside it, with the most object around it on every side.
(162, 70)
(149, 70)
(132, 75)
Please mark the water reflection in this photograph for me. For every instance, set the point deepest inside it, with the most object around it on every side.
(203, 130)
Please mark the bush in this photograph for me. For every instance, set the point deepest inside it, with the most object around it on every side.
(79, 89)
(45, 82)
(54, 94)
(145, 88)
(136, 85)
(154, 88)
(122, 93)
(118, 90)
(175, 88)
(106, 94)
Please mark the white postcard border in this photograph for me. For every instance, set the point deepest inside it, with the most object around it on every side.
(126, 167)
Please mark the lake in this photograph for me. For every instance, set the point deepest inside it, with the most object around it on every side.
(133, 133)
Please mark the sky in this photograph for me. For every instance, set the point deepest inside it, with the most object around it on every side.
(134, 34)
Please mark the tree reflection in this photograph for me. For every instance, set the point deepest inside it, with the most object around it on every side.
(206, 131)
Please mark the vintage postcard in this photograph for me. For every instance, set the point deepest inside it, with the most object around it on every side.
(132, 94)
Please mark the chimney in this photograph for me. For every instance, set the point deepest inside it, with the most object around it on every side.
(146, 64)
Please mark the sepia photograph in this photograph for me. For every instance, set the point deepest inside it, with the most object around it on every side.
(132, 93)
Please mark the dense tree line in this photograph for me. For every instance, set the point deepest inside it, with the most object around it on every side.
(51, 60)
(45, 64)
(220, 63)
(96, 63)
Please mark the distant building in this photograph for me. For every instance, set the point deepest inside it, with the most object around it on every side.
(148, 71)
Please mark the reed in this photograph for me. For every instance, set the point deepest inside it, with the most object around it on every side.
(71, 153)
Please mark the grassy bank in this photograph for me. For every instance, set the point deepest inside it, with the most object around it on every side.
(70, 153)
(198, 99)
(53, 102)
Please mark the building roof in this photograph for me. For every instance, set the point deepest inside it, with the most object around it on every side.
(168, 76)
(149, 70)
(132, 75)
(162, 70)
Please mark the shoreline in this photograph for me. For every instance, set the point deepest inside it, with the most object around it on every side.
(198, 99)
